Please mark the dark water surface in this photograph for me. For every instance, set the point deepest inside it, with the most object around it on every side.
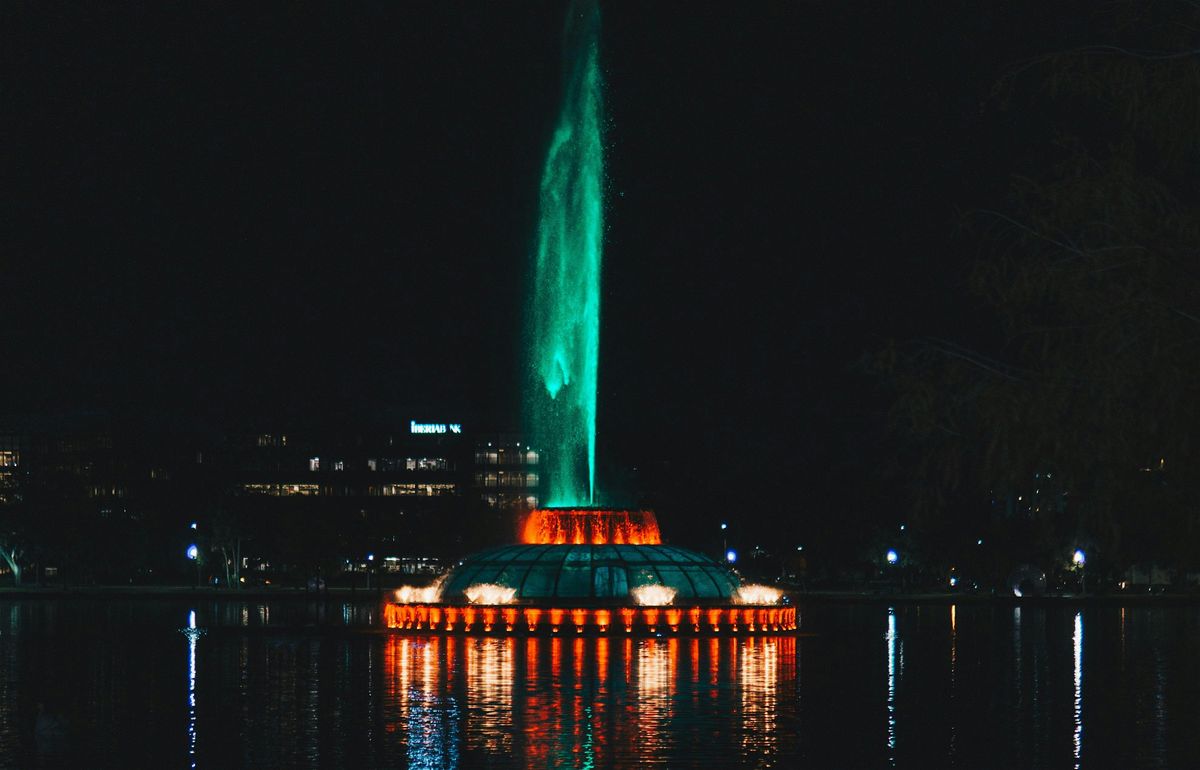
(125, 683)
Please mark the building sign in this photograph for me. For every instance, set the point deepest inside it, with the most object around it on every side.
(434, 427)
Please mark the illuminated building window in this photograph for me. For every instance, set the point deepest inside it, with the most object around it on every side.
(314, 463)
(372, 465)
(426, 464)
(339, 465)
(531, 458)
(426, 490)
(282, 490)
(9, 459)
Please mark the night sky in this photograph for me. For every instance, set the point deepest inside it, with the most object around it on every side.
(252, 213)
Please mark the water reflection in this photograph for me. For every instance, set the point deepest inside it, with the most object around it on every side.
(1004, 690)
(428, 719)
(1078, 644)
(193, 635)
(953, 679)
(490, 693)
(891, 684)
(567, 702)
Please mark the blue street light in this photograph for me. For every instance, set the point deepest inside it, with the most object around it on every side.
(731, 556)
(892, 556)
(193, 553)
(1079, 557)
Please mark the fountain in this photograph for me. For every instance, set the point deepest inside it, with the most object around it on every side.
(563, 328)
(580, 567)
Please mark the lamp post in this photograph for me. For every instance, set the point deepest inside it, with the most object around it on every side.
(724, 538)
(1080, 560)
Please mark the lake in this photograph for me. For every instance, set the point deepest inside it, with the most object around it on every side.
(121, 682)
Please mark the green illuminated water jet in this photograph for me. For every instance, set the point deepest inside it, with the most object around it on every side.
(564, 314)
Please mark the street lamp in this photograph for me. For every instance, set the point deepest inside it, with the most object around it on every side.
(731, 556)
(193, 553)
(725, 539)
(892, 556)
(1080, 560)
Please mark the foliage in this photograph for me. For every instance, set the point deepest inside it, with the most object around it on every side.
(1091, 279)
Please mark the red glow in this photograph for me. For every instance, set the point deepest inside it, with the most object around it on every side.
(441, 617)
(547, 526)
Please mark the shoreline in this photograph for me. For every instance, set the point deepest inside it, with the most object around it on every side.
(363, 595)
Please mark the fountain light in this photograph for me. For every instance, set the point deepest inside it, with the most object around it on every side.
(430, 594)
(490, 593)
(758, 594)
(653, 595)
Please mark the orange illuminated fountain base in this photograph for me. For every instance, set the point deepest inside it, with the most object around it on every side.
(591, 571)
(598, 526)
(555, 620)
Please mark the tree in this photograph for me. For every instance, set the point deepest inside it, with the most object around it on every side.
(1091, 277)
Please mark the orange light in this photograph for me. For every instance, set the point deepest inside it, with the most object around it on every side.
(714, 619)
(556, 617)
(391, 616)
(579, 617)
(510, 617)
(651, 617)
(584, 525)
(468, 618)
(489, 617)
(603, 617)
(627, 614)
(674, 615)
(531, 616)
(694, 616)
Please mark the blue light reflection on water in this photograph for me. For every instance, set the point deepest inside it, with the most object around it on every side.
(193, 634)
(1077, 642)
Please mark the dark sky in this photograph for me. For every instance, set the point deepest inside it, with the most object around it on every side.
(236, 210)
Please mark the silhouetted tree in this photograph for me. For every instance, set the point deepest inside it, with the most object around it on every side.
(1091, 274)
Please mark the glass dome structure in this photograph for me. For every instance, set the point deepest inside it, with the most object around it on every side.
(587, 573)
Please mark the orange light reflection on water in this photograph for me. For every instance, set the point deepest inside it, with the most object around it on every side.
(583, 700)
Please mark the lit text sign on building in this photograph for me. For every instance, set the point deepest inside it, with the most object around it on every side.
(434, 427)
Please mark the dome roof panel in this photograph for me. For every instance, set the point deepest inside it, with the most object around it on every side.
(593, 573)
